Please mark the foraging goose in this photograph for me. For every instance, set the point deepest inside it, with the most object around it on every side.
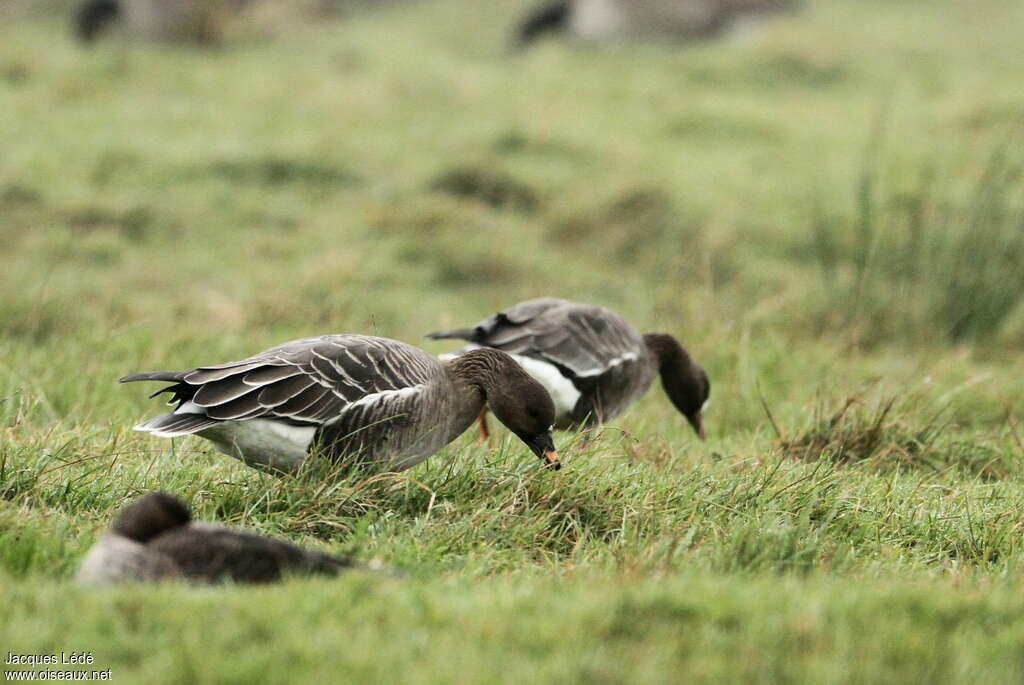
(592, 362)
(376, 400)
(155, 539)
(602, 20)
(197, 21)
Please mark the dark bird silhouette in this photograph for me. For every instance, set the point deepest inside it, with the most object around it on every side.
(93, 17)
(155, 539)
(676, 20)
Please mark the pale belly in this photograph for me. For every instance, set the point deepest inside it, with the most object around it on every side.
(263, 443)
(277, 446)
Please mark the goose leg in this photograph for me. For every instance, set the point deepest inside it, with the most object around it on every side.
(485, 432)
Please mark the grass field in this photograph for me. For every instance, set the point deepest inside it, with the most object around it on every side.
(827, 212)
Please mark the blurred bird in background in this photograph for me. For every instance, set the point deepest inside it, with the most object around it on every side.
(677, 20)
(201, 22)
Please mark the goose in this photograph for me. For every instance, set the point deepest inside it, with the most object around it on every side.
(155, 539)
(377, 401)
(592, 362)
(602, 20)
(197, 21)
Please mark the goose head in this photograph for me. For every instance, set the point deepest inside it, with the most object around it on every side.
(151, 515)
(684, 381)
(93, 17)
(526, 409)
(516, 399)
(550, 18)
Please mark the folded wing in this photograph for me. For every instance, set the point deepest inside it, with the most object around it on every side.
(310, 382)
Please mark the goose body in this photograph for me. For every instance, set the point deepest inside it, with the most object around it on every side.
(591, 360)
(680, 20)
(197, 21)
(375, 400)
(155, 539)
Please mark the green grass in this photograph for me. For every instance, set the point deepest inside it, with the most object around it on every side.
(827, 213)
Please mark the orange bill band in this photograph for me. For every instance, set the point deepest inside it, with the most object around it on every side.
(551, 458)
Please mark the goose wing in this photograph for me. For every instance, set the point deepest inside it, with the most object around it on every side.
(581, 340)
(307, 382)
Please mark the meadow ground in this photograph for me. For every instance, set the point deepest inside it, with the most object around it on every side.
(827, 212)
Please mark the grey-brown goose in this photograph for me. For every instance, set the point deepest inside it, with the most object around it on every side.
(678, 20)
(155, 539)
(190, 21)
(593, 362)
(374, 400)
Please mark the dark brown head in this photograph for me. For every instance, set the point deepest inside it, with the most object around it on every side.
(685, 383)
(548, 18)
(516, 399)
(150, 516)
(93, 17)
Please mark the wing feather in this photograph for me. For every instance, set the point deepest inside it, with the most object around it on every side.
(275, 394)
(209, 374)
(582, 340)
(244, 407)
(219, 392)
(270, 374)
(312, 381)
(301, 404)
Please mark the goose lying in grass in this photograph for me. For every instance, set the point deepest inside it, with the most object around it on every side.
(155, 539)
(592, 362)
(373, 400)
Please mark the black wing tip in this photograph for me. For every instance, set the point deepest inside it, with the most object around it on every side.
(151, 515)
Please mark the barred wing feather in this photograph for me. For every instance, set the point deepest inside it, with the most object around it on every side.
(313, 381)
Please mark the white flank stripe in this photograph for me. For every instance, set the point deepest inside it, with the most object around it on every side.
(385, 395)
(628, 357)
(563, 393)
(376, 398)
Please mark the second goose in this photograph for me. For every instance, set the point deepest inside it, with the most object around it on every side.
(591, 360)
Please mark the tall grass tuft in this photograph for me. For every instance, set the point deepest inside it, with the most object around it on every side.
(925, 254)
(876, 433)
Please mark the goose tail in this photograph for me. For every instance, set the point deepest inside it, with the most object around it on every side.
(176, 425)
(168, 376)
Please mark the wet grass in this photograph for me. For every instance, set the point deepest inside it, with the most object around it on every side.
(826, 213)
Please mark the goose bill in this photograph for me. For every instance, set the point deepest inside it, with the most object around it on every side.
(544, 447)
(698, 424)
(551, 460)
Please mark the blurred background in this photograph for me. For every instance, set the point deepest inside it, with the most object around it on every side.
(783, 185)
(822, 199)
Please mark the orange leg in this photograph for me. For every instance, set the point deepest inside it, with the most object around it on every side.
(485, 432)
